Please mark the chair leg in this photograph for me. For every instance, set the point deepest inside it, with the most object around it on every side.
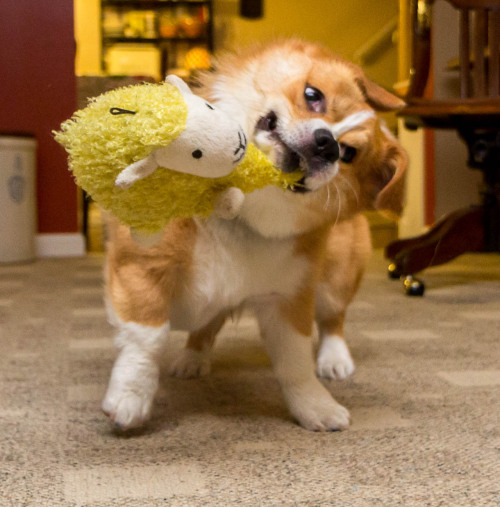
(457, 233)
(393, 249)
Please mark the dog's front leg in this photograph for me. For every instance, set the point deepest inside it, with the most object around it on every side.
(134, 379)
(290, 350)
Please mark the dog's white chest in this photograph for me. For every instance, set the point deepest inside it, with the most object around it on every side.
(231, 265)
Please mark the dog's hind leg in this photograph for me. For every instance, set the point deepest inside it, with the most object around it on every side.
(194, 359)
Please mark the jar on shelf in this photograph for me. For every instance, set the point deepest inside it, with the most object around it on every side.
(191, 27)
(150, 24)
(140, 24)
(191, 23)
(167, 24)
(113, 23)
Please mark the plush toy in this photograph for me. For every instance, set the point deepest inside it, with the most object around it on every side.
(152, 152)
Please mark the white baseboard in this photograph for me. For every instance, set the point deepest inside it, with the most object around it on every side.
(60, 245)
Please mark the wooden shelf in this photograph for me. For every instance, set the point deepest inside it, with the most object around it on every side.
(168, 46)
(152, 40)
(151, 4)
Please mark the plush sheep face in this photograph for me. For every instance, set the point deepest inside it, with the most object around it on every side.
(211, 145)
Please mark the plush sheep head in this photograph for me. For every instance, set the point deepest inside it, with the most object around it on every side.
(210, 146)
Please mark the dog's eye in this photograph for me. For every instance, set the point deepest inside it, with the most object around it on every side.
(315, 100)
(347, 153)
(210, 106)
(197, 154)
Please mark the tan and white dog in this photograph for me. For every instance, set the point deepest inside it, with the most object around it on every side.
(291, 256)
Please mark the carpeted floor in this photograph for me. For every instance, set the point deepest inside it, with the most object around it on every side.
(424, 400)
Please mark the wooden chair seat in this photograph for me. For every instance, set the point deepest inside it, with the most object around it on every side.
(452, 114)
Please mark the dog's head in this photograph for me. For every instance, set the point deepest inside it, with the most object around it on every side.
(289, 97)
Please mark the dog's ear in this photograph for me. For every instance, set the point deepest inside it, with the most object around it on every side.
(390, 176)
(376, 96)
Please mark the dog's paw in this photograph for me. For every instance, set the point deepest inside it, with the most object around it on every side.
(127, 409)
(315, 409)
(190, 364)
(131, 391)
(334, 359)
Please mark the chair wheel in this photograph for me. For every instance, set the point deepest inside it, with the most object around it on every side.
(413, 286)
(392, 272)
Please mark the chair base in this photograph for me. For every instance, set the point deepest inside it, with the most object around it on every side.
(459, 232)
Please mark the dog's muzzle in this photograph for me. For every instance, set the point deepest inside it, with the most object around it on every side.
(311, 146)
(324, 150)
(327, 148)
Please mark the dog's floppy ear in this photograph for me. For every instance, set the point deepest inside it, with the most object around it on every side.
(376, 96)
(391, 179)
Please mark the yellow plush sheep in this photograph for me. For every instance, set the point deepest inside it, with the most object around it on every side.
(152, 152)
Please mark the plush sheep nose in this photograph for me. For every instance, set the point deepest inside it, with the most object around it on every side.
(326, 146)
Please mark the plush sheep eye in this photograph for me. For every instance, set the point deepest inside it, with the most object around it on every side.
(210, 106)
(119, 110)
(315, 100)
(197, 154)
(347, 153)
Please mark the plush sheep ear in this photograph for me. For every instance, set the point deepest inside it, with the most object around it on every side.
(178, 83)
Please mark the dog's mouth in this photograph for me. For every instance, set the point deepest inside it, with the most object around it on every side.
(293, 162)
(313, 152)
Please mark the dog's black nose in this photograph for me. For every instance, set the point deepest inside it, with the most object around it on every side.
(326, 146)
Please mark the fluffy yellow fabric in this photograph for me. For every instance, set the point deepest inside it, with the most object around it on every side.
(100, 145)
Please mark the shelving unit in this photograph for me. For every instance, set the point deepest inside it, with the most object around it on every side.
(168, 25)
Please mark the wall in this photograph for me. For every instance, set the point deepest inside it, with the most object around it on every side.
(38, 90)
(342, 26)
(412, 222)
(88, 37)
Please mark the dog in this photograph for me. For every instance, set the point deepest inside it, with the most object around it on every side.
(292, 256)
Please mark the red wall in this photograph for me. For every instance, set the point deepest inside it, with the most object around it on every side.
(38, 92)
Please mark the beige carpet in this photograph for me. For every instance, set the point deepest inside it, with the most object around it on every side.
(424, 400)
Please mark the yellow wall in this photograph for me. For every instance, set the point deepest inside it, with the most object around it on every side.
(343, 26)
(88, 37)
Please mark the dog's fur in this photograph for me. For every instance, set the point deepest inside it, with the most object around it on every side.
(293, 257)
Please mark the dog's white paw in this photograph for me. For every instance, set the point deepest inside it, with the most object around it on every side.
(190, 364)
(131, 391)
(315, 409)
(334, 359)
(128, 408)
